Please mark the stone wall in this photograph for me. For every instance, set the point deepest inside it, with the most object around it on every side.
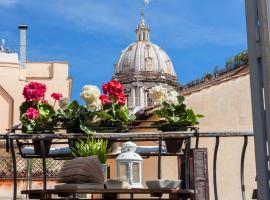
(227, 107)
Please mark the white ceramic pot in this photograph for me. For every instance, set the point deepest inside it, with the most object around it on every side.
(104, 168)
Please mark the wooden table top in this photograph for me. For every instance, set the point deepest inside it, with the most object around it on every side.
(118, 191)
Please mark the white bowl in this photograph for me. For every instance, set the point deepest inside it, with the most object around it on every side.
(163, 184)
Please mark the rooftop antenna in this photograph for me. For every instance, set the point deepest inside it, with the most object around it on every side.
(2, 45)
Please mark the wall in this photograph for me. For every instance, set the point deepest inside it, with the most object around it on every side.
(13, 78)
(227, 107)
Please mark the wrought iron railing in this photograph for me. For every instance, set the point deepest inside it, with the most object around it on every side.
(217, 136)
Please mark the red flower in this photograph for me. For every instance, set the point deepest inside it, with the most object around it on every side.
(105, 99)
(105, 88)
(115, 88)
(122, 99)
(114, 92)
(31, 113)
(56, 96)
(34, 91)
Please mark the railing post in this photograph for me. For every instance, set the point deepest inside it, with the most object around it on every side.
(43, 154)
(159, 158)
(242, 167)
(215, 168)
(186, 181)
(14, 164)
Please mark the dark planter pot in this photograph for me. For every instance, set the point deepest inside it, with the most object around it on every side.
(36, 142)
(72, 142)
(37, 146)
(175, 145)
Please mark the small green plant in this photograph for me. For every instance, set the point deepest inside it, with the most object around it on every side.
(91, 147)
(175, 116)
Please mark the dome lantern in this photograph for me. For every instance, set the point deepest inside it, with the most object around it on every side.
(143, 31)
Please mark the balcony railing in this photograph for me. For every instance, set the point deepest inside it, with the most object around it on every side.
(196, 137)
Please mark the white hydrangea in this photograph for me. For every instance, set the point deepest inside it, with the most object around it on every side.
(90, 93)
(63, 103)
(94, 106)
(157, 94)
(172, 97)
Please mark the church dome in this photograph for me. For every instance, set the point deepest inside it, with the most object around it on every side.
(144, 56)
(141, 66)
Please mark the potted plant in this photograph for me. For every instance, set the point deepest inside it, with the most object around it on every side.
(90, 119)
(173, 115)
(110, 110)
(36, 114)
(71, 115)
(114, 114)
(91, 147)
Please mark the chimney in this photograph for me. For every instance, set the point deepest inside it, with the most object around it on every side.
(23, 29)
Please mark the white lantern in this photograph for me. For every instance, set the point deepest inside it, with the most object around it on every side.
(129, 165)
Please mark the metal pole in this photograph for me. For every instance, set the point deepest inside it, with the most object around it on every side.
(215, 168)
(258, 52)
(159, 158)
(242, 168)
(14, 164)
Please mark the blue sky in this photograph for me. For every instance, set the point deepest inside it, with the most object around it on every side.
(90, 34)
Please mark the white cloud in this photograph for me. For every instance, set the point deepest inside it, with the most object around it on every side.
(7, 3)
(176, 22)
(95, 15)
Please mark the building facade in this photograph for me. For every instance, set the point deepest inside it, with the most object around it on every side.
(15, 73)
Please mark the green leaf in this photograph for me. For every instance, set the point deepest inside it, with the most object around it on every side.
(123, 114)
(92, 147)
(200, 116)
(181, 99)
(105, 116)
(86, 129)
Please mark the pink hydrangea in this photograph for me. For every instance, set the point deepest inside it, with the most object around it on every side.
(31, 113)
(34, 91)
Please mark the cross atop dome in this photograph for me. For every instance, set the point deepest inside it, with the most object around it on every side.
(142, 31)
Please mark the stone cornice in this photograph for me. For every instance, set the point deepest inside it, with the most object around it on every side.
(241, 71)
